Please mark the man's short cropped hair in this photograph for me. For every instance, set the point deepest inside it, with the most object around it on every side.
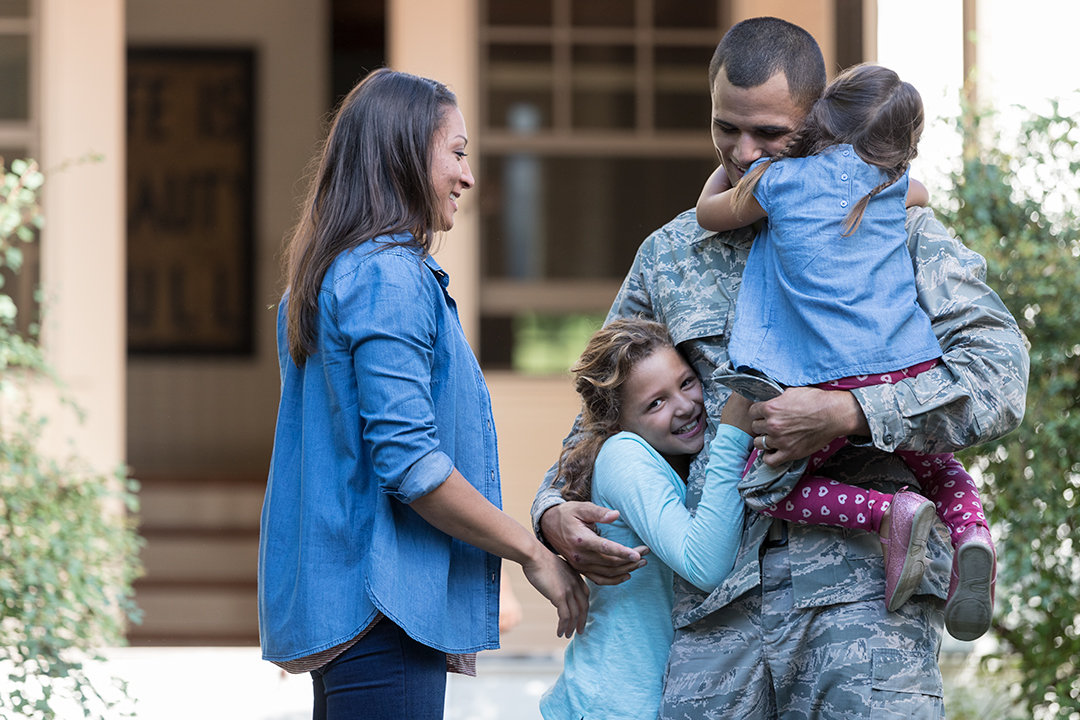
(753, 50)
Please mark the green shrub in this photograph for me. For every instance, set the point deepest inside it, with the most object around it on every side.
(68, 547)
(1018, 208)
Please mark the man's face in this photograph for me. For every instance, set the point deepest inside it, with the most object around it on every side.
(749, 123)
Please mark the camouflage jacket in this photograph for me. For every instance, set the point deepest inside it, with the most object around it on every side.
(688, 278)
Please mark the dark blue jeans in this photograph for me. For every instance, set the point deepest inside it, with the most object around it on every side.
(385, 676)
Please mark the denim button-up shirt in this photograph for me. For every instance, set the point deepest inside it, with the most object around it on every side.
(392, 400)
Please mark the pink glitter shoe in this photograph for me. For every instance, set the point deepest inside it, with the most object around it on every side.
(970, 606)
(911, 516)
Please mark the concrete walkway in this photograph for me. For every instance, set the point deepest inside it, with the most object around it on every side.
(235, 684)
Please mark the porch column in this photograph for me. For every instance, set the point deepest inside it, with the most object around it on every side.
(81, 91)
(438, 40)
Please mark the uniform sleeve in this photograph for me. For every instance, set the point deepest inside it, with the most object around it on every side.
(386, 314)
(978, 391)
(549, 494)
(637, 482)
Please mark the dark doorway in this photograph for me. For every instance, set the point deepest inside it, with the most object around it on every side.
(357, 45)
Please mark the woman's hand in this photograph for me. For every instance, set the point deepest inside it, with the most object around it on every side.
(564, 588)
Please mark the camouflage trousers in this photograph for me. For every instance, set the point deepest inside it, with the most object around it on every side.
(762, 657)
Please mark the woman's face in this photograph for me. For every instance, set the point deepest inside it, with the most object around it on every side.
(662, 403)
(450, 173)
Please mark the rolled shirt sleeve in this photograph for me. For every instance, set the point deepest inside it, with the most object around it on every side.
(392, 346)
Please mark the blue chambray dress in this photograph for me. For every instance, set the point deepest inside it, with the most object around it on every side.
(816, 306)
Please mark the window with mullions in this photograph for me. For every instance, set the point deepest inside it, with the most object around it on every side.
(595, 133)
(18, 138)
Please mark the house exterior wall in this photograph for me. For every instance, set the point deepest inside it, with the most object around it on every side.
(213, 415)
(191, 419)
(200, 428)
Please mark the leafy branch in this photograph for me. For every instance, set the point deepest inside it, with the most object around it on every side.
(68, 546)
(1015, 201)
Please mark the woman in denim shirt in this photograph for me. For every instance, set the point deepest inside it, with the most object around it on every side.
(381, 531)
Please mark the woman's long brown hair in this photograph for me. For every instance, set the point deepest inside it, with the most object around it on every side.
(373, 178)
(867, 107)
(599, 376)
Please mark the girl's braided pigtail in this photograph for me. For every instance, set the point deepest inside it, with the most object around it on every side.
(854, 218)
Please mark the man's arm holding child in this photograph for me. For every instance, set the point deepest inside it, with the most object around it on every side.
(569, 527)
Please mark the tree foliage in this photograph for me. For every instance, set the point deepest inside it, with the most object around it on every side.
(68, 547)
(1015, 202)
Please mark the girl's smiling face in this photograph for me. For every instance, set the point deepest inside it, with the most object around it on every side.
(662, 403)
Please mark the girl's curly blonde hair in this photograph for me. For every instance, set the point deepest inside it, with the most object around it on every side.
(599, 375)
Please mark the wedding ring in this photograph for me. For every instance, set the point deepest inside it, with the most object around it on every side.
(764, 445)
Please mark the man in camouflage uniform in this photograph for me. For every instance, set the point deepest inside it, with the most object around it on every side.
(799, 629)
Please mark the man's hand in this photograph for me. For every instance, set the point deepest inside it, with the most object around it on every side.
(570, 528)
(803, 420)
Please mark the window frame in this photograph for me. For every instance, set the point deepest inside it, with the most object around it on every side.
(504, 296)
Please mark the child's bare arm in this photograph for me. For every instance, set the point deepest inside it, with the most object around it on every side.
(917, 194)
(714, 206)
(717, 183)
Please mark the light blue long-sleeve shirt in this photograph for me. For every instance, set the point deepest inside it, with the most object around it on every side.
(615, 668)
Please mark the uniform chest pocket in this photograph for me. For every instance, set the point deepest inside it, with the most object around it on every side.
(699, 308)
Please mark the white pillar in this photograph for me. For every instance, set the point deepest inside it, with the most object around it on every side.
(81, 85)
(438, 40)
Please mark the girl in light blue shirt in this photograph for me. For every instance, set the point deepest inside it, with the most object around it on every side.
(644, 421)
(828, 298)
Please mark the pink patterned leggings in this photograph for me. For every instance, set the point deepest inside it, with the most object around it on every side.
(820, 501)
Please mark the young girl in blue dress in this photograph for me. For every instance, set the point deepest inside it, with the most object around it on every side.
(643, 421)
(828, 298)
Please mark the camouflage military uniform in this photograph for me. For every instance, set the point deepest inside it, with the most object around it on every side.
(799, 627)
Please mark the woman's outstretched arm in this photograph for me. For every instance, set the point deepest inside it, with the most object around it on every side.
(459, 510)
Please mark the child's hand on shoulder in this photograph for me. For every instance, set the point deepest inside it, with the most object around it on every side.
(737, 412)
(918, 195)
(717, 183)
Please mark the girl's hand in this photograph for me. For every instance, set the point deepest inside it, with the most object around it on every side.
(716, 209)
(563, 587)
(917, 194)
(718, 182)
(737, 412)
